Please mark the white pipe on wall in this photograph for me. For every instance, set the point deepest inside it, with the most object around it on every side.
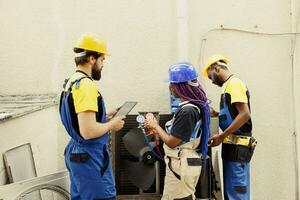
(182, 30)
(294, 26)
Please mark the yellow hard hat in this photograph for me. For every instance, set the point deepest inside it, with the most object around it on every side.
(92, 42)
(211, 60)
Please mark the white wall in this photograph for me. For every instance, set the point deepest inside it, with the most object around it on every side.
(296, 69)
(271, 107)
(37, 37)
(264, 62)
(40, 129)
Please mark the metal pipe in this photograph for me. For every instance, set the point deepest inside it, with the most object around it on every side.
(182, 30)
(294, 27)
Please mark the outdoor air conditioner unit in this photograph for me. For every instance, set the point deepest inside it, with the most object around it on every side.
(121, 156)
(126, 189)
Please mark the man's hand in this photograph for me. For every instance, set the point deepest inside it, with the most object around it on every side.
(213, 113)
(117, 123)
(215, 140)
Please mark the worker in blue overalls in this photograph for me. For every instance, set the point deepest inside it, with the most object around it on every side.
(235, 122)
(83, 114)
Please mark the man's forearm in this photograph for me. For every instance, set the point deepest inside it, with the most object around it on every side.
(95, 130)
(237, 123)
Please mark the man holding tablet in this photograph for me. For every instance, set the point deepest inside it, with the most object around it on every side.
(82, 111)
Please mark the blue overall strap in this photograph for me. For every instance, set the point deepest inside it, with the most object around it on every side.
(201, 129)
(65, 110)
(225, 113)
(196, 132)
(77, 81)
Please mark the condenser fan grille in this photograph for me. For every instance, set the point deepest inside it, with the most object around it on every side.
(123, 184)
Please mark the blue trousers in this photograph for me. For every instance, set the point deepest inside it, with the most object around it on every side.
(236, 177)
(87, 182)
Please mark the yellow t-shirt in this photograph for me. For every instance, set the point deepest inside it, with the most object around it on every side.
(236, 89)
(85, 97)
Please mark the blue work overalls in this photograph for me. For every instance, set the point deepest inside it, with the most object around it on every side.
(88, 161)
(236, 174)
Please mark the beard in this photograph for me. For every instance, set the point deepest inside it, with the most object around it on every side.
(96, 73)
(217, 81)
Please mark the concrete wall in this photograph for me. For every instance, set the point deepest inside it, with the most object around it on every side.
(40, 129)
(37, 37)
(264, 62)
(271, 107)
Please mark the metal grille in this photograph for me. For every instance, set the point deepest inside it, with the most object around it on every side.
(123, 184)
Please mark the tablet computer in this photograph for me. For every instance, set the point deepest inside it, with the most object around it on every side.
(126, 108)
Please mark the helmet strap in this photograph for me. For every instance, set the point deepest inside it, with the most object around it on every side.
(221, 64)
(80, 54)
(194, 84)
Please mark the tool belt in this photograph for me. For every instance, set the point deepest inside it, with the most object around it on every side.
(240, 140)
(238, 148)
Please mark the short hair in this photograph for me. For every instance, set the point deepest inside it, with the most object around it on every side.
(83, 56)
